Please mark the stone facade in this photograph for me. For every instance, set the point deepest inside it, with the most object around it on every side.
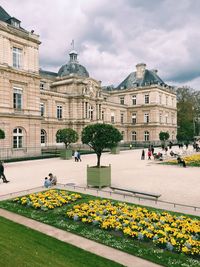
(35, 104)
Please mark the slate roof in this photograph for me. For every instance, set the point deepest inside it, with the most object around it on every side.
(73, 68)
(150, 77)
(4, 16)
(48, 74)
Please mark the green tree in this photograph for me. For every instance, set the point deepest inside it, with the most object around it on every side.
(2, 134)
(188, 112)
(67, 136)
(100, 136)
(164, 136)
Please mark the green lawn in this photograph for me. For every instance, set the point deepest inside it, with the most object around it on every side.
(23, 247)
(147, 250)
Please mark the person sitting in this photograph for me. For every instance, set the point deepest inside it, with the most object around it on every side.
(47, 182)
(160, 156)
(181, 161)
(53, 179)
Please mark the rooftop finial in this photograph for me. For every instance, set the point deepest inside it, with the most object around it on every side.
(72, 44)
(73, 54)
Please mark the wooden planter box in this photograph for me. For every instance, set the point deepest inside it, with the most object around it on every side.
(115, 150)
(66, 154)
(99, 176)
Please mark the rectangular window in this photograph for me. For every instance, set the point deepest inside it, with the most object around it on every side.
(42, 109)
(122, 133)
(102, 115)
(146, 99)
(146, 118)
(122, 118)
(134, 136)
(86, 110)
(122, 100)
(166, 118)
(42, 85)
(17, 58)
(59, 112)
(134, 118)
(17, 141)
(112, 117)
(134, 100)
(17, 98)
(172, 101)
(166, 100)
(160, 117)
(160, 99)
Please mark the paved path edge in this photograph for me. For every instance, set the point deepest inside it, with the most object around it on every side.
(78, 241)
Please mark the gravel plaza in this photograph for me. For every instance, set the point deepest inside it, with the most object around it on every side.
(174, 183)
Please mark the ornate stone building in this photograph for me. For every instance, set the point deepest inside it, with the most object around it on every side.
(35, 103)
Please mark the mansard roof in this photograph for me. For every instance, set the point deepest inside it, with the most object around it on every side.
(4, 16)
(149, 77)
(47, 74)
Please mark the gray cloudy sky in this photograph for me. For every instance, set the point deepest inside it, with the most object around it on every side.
(111, 37)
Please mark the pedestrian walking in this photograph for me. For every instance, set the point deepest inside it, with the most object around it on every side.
(76, 155)
(149, 154)
(2, 175)
(143, 155)
(79, 156)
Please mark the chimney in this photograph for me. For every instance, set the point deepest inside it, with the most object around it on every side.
(140, 70)
(155, 71)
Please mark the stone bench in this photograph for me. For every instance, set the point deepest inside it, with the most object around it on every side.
(135, 192)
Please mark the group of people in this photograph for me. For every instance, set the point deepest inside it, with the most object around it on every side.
(50, 181)
(149, 153)
(2, 175)
(77, 156)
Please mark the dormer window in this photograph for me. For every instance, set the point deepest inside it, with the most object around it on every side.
(15, 22)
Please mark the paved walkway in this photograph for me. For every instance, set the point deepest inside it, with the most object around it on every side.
(174, 183)
(78, 241)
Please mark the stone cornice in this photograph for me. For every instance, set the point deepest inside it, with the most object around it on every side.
(7, 68)
(140, 89)
(19, 32)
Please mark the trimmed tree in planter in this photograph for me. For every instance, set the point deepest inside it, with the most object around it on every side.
(100, 136)
(164, 136)
(67, 136)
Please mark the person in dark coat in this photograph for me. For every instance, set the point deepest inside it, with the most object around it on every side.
(143, 154)
(79, 156)
(2, 175)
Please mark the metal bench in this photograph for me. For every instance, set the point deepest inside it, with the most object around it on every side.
(136, 192)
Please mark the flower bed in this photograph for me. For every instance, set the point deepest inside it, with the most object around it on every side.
(193, 160)
(179, 234)
(47, 200)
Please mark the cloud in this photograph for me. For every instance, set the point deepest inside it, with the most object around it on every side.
(111, 37)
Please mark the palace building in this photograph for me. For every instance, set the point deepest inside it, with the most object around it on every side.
(35, 103)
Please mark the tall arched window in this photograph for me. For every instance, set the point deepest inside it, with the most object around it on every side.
(122, 133)
(90, 111)
(43, 136)
(173, 135)
(146, 136)
(134, 136)
(18, 138)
